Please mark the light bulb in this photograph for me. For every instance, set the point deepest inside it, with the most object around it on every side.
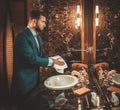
(97, 9)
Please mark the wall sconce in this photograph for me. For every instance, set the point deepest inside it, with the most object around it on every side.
(78, 17)
(97, 14)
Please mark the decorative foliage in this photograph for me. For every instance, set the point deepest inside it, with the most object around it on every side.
(37, 4)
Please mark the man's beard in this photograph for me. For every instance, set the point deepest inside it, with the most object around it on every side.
(37, 29)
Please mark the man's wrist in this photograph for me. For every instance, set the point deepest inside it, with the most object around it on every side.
(50, 63)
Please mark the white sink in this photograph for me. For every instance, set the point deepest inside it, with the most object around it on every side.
(61, 82)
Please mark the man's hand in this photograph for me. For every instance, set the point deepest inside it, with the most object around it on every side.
(58, 62)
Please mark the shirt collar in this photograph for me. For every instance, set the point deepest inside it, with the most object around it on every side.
(33, 32)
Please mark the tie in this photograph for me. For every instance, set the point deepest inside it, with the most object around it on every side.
(36, 39)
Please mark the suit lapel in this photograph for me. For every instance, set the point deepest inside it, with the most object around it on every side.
(40, 44)
(31, 37)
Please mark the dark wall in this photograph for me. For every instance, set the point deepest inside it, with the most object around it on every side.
(3, 78)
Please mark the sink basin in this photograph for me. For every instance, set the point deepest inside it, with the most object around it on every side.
(61, 82)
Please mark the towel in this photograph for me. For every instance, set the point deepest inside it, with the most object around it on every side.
(58, 68)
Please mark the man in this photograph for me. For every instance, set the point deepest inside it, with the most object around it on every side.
(29, 55)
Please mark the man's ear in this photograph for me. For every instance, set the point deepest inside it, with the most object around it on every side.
(34, 22)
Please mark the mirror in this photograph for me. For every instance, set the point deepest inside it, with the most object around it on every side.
(108, 34)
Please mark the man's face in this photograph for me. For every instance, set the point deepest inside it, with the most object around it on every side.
(41, 23)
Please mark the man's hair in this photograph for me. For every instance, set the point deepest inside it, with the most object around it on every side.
(35, 14)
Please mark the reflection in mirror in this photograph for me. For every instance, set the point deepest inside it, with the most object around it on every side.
(108, 34)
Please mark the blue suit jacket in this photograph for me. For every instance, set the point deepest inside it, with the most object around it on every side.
(27, 60)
